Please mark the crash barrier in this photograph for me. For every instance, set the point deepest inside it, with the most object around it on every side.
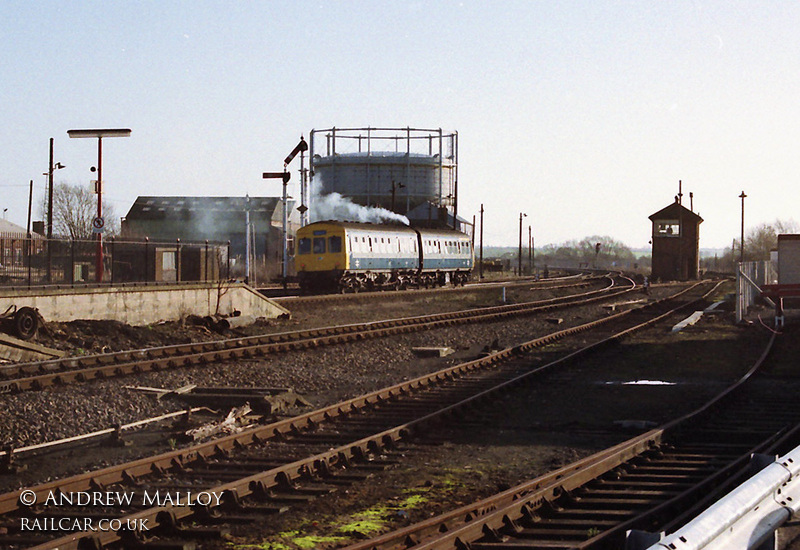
(746, 518)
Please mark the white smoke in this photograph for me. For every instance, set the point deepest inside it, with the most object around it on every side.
(333, 206)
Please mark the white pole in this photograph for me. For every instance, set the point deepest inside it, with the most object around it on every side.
(247, 238)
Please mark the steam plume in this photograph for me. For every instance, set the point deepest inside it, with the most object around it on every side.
(333, 206)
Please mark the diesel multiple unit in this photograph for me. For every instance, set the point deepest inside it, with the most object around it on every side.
(350, 256)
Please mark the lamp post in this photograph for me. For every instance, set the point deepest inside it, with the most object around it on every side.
(519, 269)
(530, 250)
(98, 223)
(49, 174)
(741, 243)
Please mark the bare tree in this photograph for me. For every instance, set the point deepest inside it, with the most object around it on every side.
(758, 243)
(764, 237)
(74, 208)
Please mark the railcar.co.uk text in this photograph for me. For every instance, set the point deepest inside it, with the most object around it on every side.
(105, 499)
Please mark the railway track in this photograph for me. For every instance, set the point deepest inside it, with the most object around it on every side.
(260, 470)
(654, 482)
(567, 281)
(38, 375)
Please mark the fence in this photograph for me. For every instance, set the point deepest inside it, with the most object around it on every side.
(750, 277)
(36, 261)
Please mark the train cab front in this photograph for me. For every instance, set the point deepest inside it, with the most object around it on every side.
(320, 259)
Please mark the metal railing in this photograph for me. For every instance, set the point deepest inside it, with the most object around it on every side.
(748, 516)
(27, 262)
(750, 277)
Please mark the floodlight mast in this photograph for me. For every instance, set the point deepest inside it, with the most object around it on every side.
(98, 222)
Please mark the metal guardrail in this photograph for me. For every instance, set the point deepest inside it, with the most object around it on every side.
(747, 517)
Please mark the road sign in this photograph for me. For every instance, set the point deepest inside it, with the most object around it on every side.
(98, 225)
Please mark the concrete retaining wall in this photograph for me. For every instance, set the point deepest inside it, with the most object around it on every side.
(143, 305)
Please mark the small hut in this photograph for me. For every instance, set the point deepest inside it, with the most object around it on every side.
(676, 243)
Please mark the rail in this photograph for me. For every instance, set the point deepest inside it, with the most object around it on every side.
(748, 516)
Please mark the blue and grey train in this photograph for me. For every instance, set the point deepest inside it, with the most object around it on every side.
(352, 256)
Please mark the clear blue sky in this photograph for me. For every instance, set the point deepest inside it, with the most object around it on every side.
(582, 114)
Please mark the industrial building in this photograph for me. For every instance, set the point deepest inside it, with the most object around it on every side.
(219, 220)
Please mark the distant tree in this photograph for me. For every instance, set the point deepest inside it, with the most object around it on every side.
(609, 250)
(758, 242)
(74, 208)
(586, 252)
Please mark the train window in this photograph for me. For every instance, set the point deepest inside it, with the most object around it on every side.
(304, 247)
(319, 245)
(334, 244)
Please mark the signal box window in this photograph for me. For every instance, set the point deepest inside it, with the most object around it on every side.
(319, 245)
(304, 246)
(667, 228)
(334, 244)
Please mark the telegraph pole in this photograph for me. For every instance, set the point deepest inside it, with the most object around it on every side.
(741, 243)
(480, 268)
